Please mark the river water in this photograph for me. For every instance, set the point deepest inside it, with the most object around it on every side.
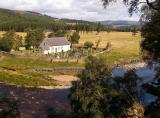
(147, 74)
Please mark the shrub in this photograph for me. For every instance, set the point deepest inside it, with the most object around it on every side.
(88, 44)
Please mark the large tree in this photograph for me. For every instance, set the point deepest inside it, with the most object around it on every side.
(74, 38)
(134, 4)
(18, 42)
(7, 41)
(150, 45)
(89, 95)
(34, 38)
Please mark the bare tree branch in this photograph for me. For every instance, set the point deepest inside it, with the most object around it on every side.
(150, 4)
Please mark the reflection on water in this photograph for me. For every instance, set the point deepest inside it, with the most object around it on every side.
(147, 74)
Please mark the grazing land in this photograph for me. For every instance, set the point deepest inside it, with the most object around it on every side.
(38, 90)
(124, 46)
(23, 34)
(16, 71)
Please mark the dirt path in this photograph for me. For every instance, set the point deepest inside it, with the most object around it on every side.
(105, 51)
(33, 102)
(63, 80)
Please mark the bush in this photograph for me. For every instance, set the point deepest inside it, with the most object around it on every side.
(88, 95)
(60, 34)
(7, 41)
(51, 35)
(88, 44)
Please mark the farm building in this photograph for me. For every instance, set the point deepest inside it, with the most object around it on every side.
(54, 45)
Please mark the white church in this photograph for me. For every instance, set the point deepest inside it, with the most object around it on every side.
(54, 45)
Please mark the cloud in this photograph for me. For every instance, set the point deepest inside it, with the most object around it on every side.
(75, 9)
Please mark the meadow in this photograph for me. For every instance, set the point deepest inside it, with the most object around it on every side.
(124, 46)
(18, 71)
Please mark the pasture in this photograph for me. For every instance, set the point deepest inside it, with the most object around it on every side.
(18, 33)
(18, 71)
(124, 46)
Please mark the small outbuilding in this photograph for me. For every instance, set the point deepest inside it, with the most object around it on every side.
(54, 45)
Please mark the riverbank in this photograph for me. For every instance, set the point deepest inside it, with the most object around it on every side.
(132, 65)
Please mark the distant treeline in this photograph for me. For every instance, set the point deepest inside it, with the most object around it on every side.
(20, 26)
(20, 21)
(127, 28)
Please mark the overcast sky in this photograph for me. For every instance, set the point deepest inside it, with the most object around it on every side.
(91, 10)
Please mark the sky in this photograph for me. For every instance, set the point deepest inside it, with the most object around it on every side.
(91, 10)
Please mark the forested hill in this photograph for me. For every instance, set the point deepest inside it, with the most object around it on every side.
(120, 23)
(21, 20)
(76, 21)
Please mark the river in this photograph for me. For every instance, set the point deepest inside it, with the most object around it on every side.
(147, 74)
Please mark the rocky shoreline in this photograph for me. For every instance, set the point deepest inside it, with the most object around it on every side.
(131, 66)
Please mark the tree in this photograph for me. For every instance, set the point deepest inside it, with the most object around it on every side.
(151, 43)
(98, 43)
(88, 44)
(108, 45)
(34, 38)
(134, 4)
(90, 95)
(74, 38)
(51, 35)
(7, 41)
(18, 42)
(60, 34)
(99, 28)
(126, 102)
(134, 31)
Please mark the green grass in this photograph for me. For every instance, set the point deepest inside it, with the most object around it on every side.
(23, 80)
(122, 55)
(15, 71)
(26, 63)
(124, 46)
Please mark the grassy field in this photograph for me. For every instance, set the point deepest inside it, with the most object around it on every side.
(15, 71)
(23, 34)
(26, 63)
(117, 39)
(18, 33)
(124, 46)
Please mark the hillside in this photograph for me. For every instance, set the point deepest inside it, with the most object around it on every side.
(6, 14)
(21, 20)
(119, 22)
(76, 21)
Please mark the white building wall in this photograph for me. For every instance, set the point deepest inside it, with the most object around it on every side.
(57, 49)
